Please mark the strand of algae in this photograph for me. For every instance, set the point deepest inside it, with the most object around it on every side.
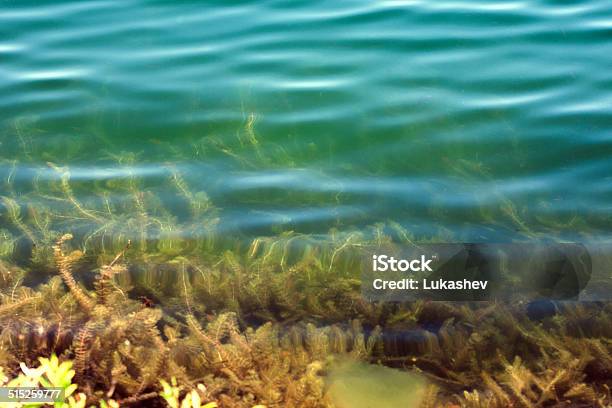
(67, 190)
(14, 214)
(64, 264)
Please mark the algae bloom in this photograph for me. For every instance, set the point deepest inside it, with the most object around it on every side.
(361, 385)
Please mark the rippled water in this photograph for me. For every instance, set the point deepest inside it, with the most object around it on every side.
(472, 120)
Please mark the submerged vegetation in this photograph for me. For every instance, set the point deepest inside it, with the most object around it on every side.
(128, 287)
(257, 335)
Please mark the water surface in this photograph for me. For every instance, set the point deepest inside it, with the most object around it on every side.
(471, 120)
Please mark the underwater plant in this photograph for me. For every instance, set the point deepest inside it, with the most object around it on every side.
(50, 374)
(141, 290)
(171, 394)
(263, 329)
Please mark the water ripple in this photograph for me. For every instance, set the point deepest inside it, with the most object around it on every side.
(461, 116)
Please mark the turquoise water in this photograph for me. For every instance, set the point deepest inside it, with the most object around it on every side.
(470, 120)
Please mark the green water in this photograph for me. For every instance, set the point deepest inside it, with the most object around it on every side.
(470, 120)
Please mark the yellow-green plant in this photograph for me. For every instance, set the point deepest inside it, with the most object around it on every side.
(3, 377)
(50, 374)
(109, 404)
(57, 375)
(171, 394)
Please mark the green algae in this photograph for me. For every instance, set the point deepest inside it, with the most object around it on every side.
(358, 385)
